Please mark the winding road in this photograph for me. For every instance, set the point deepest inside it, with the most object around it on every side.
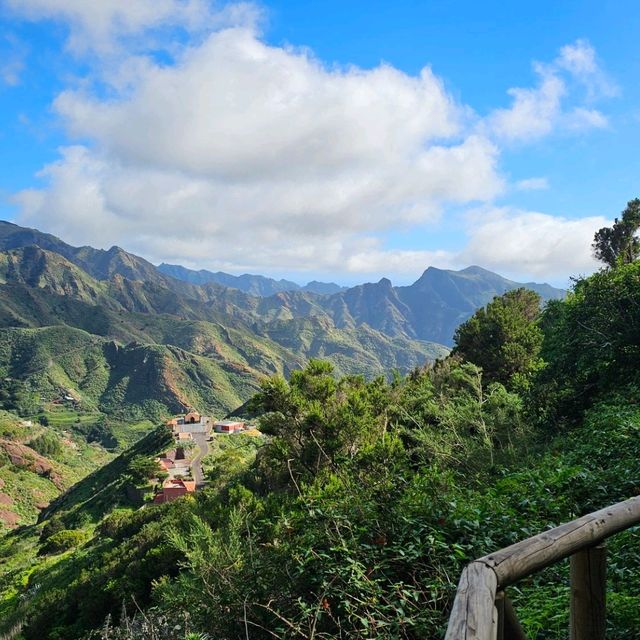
(196, 464)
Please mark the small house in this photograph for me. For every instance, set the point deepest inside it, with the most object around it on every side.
(228, 426)
(193, 417)
(174, 488)
(166, 463)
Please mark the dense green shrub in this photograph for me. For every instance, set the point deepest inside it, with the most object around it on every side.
(591, 346)
(47, 444)
(63, 541)
(503, 338)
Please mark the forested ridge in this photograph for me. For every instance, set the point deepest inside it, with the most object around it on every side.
(355, 512)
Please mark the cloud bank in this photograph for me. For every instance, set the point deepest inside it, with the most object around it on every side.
(229, 153)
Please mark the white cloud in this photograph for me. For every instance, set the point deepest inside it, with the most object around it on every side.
(530, 243)
(580, 60)
(260, 155)
(532, 184)
(237, 155)
(533, 112)
(234, 106)
(13, 53)
(536, 112)
(100, 25)
(580, 118)
(10, 71)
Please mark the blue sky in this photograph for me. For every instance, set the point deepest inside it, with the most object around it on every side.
(304, 139)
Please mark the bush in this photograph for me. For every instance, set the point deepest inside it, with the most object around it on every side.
(52, 526)
(63, 541)
(47, 444)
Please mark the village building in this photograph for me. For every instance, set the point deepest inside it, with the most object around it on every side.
(192, 417)
(166, 463)
(228, 426)
(174, 488)
(193, 422)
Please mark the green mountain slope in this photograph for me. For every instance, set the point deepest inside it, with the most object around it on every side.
(37, 463)
(441, 300)
(130, 381)
(430, 309)
(40, 288)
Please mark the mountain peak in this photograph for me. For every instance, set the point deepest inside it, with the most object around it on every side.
(474, 268)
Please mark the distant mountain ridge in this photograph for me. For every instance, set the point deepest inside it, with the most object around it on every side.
(429, 310)
(209, 345)
(255, 285)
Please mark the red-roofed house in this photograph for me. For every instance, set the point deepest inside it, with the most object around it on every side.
(192, 417)
(174, 488)
(228, 426)
(166, 463)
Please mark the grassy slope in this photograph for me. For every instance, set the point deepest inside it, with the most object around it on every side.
(29, 480)
(81, 507)
(279, 345)
(40, 288)
(132, 381)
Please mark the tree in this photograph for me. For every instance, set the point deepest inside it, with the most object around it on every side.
(142, 468)
(318, 421)
(591, 344)
(47, 444)
(618, 244)
(503, 338)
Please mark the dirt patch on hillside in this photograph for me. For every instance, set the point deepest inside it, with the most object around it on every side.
(5, 500)
(26, 458)
(9, 518)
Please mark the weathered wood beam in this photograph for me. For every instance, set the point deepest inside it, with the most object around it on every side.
(588, 594)
(523, 558)
(473, 614)
(499, 604)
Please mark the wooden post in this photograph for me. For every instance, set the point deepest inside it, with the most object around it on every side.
(473, 613)
(508, 624)
(588, 594)
(512, 627)
(500, 615)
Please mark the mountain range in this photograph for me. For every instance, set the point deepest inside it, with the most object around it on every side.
(430, 309)
(161, 338)
(254, 285)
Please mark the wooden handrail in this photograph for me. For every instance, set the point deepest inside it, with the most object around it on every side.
(474, 615)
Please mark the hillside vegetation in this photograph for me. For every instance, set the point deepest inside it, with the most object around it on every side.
(355, 516)
(351, 513)
(37, 463)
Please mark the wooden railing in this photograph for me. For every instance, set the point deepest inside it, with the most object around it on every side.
(482, 611)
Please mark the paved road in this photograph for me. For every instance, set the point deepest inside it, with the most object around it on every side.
(196, 464)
